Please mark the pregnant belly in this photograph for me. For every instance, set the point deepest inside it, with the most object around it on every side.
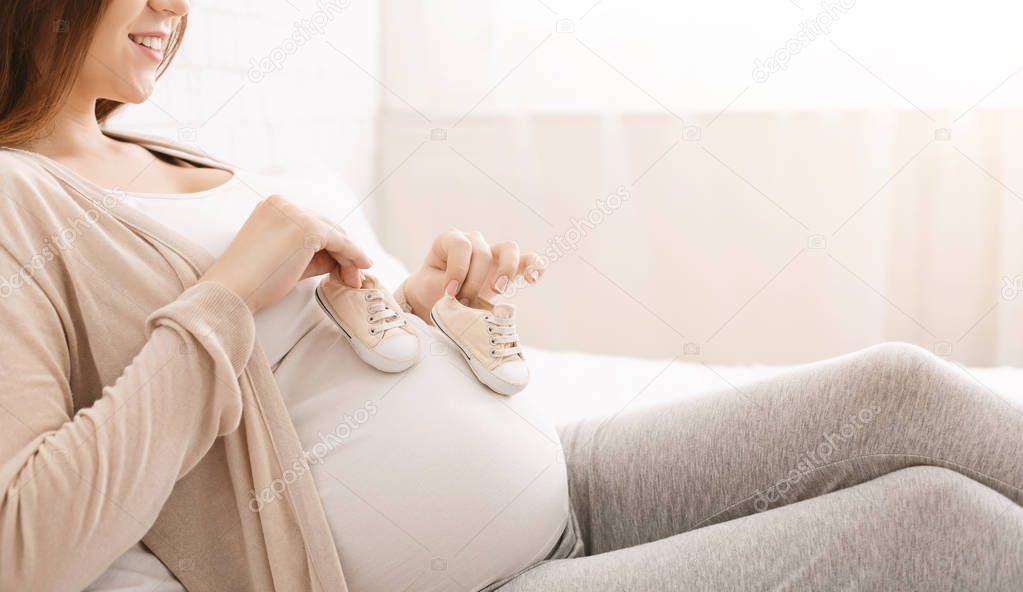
(429, 481)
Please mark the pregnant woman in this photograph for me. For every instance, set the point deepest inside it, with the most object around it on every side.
(174, 405)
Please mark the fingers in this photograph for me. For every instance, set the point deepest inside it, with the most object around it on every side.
(349, 256)
(473, 268)
(505, 266)
(530, 268)
(320, 264)
(453, 250)
(330, 223)
(479, 266)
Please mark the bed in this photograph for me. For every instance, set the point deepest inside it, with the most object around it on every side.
(574, 385)
(579, 384)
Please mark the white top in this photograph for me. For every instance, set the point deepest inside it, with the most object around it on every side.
(429, 481)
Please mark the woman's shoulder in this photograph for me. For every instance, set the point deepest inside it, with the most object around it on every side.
(33, 200)
(16, 164)
(23, 178)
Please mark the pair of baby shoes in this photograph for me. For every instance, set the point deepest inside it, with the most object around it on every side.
(378, 329)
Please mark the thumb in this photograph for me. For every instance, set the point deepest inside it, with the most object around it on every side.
(321, 263)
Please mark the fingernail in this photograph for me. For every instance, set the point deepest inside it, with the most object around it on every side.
(501, 283)
(464, 301)
(452, 288)
(535, 275)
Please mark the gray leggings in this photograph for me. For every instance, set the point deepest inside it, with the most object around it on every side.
(886, 469)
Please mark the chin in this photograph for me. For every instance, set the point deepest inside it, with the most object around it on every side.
(137, 95)
(136, 100)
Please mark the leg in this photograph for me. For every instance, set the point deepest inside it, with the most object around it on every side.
(650, 474)
(922, 528)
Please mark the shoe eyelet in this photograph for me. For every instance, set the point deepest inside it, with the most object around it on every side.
(493, 352)
(372, 331)
(492, 342)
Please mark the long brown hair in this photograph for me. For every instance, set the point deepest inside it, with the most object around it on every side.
(43, 44)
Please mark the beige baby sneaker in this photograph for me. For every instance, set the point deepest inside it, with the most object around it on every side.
(371, 320)
(485, 334)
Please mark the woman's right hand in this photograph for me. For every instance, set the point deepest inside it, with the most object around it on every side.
(280, 244)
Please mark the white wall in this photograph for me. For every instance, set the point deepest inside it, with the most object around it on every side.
(890, 137)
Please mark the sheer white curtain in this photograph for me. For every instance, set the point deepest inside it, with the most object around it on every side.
(795, 179)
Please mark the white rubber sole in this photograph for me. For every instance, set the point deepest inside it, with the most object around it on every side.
(378, 361)
(488, 378)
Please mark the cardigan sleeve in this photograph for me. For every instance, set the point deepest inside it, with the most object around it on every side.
(77, 490)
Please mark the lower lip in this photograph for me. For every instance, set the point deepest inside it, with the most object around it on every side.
(156, 56)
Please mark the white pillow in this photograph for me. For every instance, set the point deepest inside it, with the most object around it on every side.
(329, 195)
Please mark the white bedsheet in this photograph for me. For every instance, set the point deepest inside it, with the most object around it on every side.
(575, 385)
(580, 384)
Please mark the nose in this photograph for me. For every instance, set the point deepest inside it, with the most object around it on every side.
(174, 7)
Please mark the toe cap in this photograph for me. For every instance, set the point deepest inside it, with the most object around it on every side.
(398, 345)
(514, 371)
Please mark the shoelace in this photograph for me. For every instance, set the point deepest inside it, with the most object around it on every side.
(502, 333)
(381, 317)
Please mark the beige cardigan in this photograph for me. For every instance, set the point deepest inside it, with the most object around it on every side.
(135, 403)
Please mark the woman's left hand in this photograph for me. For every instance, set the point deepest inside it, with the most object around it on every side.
(465, 265)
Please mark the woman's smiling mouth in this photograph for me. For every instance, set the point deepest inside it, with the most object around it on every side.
(149, 43)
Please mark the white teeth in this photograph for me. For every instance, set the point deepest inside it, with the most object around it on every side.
(154, 43)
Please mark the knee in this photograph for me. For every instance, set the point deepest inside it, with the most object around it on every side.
(922, 493)
(934, 519)
(900, 365)
(902, 356)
